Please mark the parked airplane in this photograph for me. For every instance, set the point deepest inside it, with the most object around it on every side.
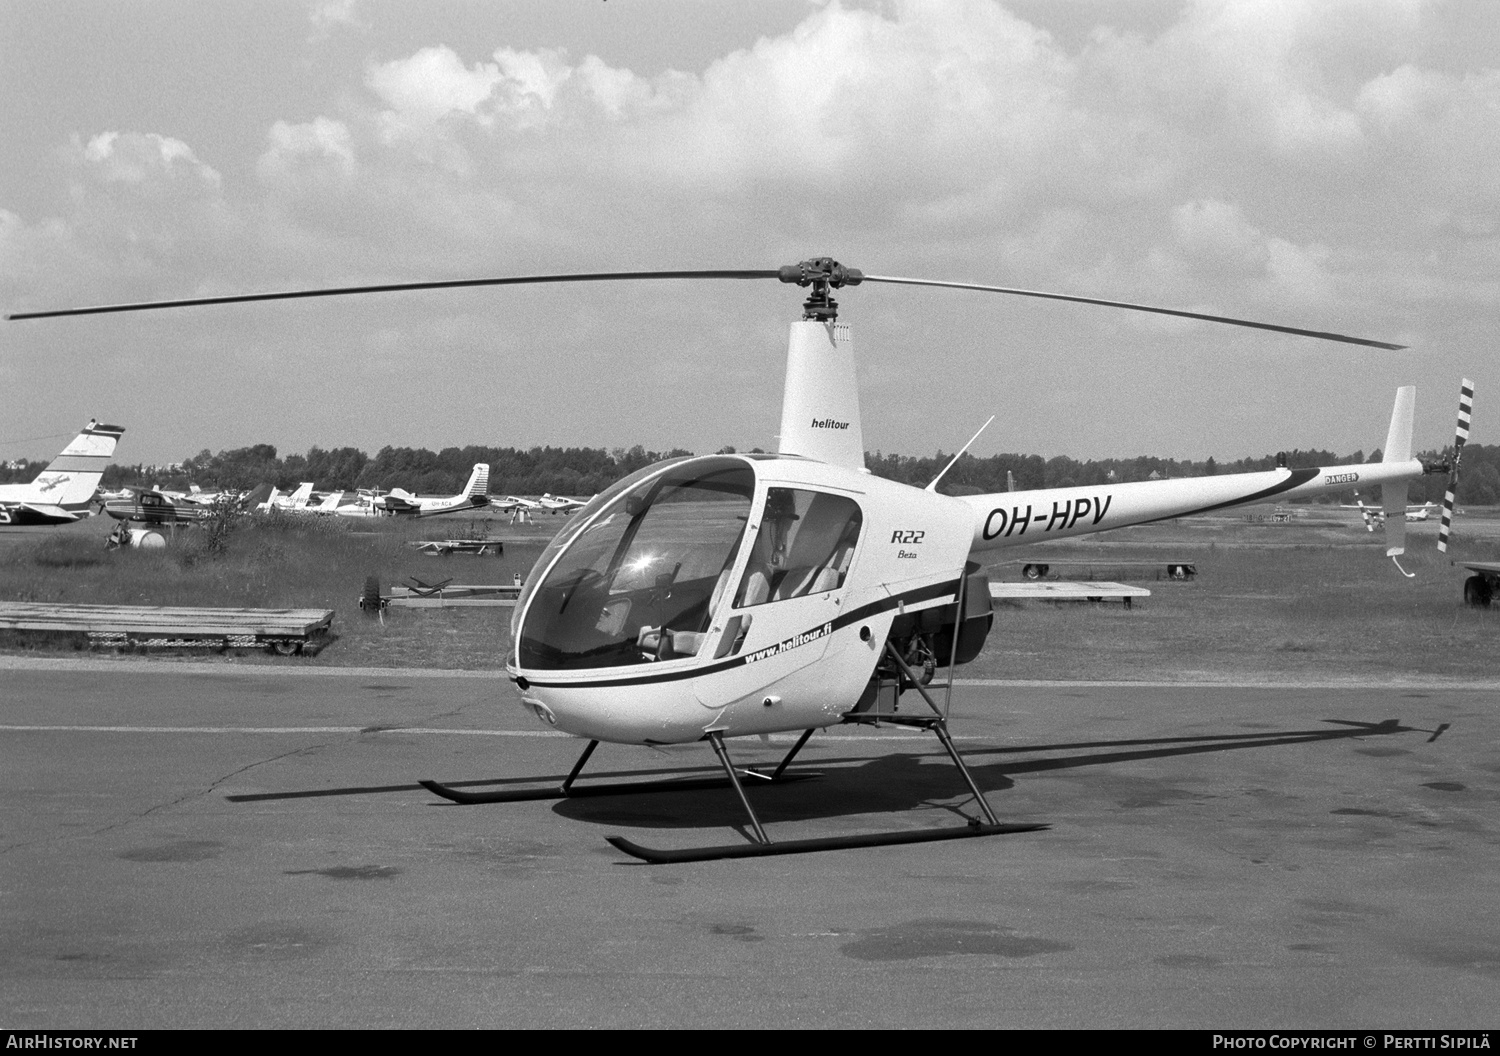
(561, 504)
(364, 504)
(1375, 515)
(295, 501)
(475, 496)
(514, 502)
(150, 506)
(63, 491)
(328, 504)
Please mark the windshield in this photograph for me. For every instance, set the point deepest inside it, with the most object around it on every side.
(575, 524)
(639, 582)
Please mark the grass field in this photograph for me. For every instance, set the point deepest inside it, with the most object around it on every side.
(1313, 598)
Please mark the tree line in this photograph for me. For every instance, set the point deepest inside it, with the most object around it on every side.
(585, 470)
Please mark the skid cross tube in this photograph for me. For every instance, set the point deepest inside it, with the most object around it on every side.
(789, 757)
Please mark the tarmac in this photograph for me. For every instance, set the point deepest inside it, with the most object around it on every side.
(212, 845)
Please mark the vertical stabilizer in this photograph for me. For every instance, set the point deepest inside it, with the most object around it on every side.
(1398, 437)
(479, 481)
(71, 479)
(820, 406)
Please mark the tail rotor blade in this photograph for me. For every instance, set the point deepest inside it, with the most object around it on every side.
(1465, 412)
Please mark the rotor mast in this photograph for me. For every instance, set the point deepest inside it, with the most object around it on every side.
(820, 402)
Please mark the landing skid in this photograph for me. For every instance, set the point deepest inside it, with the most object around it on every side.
(611, 788)
(830, 843)
(567, 790)
(761, 845)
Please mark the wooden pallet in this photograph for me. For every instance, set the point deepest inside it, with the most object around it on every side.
(452, 595)
(285, 631)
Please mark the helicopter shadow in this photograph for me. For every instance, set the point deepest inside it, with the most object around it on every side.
(904, 782)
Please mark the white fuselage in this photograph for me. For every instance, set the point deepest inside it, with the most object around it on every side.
(803, 662)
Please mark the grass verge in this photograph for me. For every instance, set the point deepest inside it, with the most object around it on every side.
(1271, 602)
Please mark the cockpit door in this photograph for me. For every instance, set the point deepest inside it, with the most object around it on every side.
(789, 596)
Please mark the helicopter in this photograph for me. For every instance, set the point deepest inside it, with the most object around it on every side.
(706, 598)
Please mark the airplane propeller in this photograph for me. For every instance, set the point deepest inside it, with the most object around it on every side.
(821, 273)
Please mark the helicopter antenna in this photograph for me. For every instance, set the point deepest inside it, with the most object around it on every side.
(933, 486)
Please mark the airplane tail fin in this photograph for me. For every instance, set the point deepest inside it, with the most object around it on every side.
(258, 497)
(479, 480)
(71, 478)
(298, 498)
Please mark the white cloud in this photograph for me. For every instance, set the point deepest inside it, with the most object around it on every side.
(532, 80)
(1250, 158)
(322, 142)
(432, 83)
(1217, 234)
(142, 158)
(329, 15)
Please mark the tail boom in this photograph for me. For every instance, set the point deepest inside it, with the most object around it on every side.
(1008, 519)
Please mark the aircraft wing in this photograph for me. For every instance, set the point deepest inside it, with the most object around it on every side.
(38, 513)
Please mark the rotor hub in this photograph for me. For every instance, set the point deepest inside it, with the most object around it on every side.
(822, 274)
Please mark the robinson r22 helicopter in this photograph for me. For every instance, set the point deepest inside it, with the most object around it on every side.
(721, 596)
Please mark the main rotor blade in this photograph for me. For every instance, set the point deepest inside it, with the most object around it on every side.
(396, 287)
(1324, 335)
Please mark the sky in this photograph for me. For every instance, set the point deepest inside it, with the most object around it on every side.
(1327, 164)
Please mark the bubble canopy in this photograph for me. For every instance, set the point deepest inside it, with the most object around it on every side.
(638, 575)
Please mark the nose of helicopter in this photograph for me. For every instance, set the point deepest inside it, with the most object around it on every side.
(655, 714)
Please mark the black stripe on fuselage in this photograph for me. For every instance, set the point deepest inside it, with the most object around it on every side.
(1297, 478)
(864, 612)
